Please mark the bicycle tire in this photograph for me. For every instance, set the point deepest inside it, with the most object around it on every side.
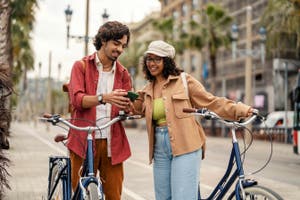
(258, 192)
(92, 192)
(58, 194)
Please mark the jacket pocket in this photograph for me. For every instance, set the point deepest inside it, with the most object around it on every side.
(180, 101)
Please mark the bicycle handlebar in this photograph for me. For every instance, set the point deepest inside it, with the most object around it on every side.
(211, 115)
(54, 119)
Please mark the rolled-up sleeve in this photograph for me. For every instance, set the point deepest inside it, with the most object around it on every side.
(77, 85)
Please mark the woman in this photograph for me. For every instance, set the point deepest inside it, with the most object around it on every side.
(176, 140)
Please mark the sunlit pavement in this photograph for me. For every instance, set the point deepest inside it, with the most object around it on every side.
(31, 146)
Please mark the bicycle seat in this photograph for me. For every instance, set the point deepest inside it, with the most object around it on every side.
(60, 138)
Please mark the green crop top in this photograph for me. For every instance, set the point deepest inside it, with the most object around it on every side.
(159, 115)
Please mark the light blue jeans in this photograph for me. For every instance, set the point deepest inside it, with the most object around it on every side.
(175, 178)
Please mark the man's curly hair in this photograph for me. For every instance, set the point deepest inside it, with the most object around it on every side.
(112, 30)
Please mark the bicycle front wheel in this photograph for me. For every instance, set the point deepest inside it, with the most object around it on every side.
(92, 192)
(258, 192)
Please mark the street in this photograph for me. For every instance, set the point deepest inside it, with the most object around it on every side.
(31, 146)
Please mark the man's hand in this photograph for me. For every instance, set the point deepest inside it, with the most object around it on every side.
(117, 98)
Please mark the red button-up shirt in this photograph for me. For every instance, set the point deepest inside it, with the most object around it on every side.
(83, 82)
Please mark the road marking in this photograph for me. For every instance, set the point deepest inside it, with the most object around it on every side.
(128, 192)
(132, 194)
(140, 164)
(52, 146)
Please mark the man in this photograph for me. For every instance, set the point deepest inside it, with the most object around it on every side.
(97, 88)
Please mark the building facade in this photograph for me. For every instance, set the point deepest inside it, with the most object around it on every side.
(270, 88)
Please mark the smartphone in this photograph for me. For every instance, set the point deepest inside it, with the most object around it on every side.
(132, 95)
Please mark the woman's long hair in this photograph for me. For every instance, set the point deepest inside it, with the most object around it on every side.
(170, 68)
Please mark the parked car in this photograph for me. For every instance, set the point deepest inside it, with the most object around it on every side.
(276, 119)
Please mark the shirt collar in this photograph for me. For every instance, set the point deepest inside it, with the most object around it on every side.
(100, 66)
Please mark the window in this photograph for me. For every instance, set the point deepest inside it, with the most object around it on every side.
(184, 10)
(182, 63)
(184, 27)
(195, 18)
(193, 63)
(175, 14)
(195, 4)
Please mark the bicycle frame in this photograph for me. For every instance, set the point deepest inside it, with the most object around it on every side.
(64, 171)
(224, 184)
(88, 174)
(64, 174)
(243, 187)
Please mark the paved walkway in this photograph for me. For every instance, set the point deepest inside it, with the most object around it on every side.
(29, 164)
(31, 145)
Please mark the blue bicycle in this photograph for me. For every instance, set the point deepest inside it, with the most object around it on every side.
(59, 177)
(244, 188)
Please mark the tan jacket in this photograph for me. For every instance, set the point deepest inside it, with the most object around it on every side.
(186, 134)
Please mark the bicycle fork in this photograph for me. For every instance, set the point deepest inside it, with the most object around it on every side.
(89, 176)
(242, 182)
(63, 174)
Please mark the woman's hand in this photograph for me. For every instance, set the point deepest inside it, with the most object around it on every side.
(251, 112)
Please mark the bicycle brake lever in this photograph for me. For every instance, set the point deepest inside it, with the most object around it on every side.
(260, 117)
(54, 119)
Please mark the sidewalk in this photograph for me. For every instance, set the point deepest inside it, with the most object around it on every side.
(29, 165)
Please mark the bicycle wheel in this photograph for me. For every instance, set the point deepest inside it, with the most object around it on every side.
(58, 193)
(258, 192)
(92, 192)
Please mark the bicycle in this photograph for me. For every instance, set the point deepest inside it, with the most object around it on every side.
(244, 188)
(59, 177)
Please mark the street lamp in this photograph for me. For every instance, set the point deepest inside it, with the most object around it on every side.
(105, 16)
(263, 37)
(249, 53)
(68, 13)
(245, 52)
(85, 38)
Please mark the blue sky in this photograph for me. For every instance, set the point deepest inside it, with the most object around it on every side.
(50, 29)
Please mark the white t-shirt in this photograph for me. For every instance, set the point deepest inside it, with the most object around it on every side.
(105, 85)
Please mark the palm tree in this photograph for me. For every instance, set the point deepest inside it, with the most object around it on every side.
(210, 34)
(14, 15)
(166, 28)
(22, 26)
(5, 88)
(131, 57)
(282, 21)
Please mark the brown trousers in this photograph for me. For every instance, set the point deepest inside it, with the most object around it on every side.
(110, 175)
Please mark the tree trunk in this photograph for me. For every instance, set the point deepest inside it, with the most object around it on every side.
(5, 70)
(5, 89)
(213, 65)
